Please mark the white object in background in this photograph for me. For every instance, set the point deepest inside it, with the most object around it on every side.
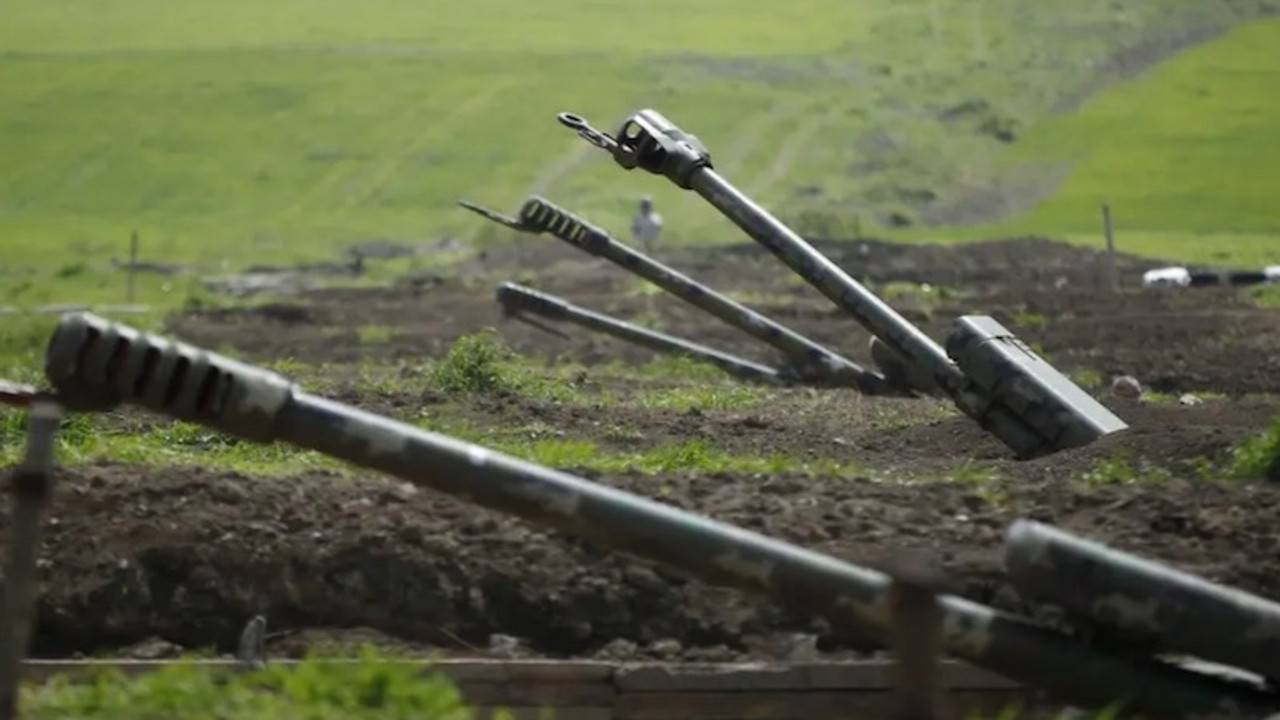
(1166, 276)
(646, 225)
(1271, 273)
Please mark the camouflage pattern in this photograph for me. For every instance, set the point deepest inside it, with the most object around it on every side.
(1007, 370)
(809, 361)
(1147, 602)
(516, 299)
(897, 371)
(192, 384)
(1031, 407)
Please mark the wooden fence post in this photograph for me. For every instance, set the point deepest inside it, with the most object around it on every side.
(916, 636)
(133, 265)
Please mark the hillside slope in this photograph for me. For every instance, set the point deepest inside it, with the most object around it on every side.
(264, 132)
(1185, 154)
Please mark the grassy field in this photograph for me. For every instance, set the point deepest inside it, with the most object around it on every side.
(264, 133)
(1185, 154)
(241, 133)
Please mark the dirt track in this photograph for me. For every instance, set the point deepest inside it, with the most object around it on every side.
(189, 554)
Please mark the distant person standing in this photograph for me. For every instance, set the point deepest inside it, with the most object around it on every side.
(646, 225)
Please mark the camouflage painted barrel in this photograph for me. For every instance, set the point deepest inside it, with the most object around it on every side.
(1016, 396)
(1145, 601)
(518, 298)
(811, 361)
(96, 362)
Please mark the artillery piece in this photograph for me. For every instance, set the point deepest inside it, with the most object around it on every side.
(990, 375)
(808, 361)
(517, 300)
(1143, 602)
(94, 364)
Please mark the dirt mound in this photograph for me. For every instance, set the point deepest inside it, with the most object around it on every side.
(1176, 340)
(188, 554)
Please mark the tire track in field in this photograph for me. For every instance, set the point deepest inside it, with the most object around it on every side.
(418, 139)
(749, 139)
(335, 174)
(790, 149)
(551, 173)
(412, 121)
(556, 170)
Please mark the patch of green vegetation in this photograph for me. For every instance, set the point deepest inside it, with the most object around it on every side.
(922, 292)
(922, 412)
(482, 363)
(970, 473)
(691, 456)
(722, 396)
(374, 334)
(1087, 378)
(1122, 470)
(1205, 168)
(1159, 398)
(473, 364)
(923, 297)
(88, 438)
(644, 288)
(756, 298)
(1258, 457)
(1030, 320)
(247, 137)
(1267, 296)
(665, 369)
(986, 482)
(371, 689)
(1184, 154)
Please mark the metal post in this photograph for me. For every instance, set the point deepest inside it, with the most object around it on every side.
(133, 265)
(1113, 278)
(31, 486)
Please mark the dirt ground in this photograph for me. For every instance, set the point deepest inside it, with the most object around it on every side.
(188, 554)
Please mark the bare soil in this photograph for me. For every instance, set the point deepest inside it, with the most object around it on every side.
(187, 554)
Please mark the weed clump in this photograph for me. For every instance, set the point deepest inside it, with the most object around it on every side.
(375, 689)
(474, 364)
(1258, 457)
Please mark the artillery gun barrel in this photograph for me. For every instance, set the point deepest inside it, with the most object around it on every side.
(1146, 601)
(517, 298)
(990, 375)
(93, 363)
(811, 361)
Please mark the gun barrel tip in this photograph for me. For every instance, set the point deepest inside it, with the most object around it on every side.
(1021, 529)
(568, 119)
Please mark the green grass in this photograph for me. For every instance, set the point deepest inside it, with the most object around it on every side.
(88, 439)
(244, 132)
(374, 689)
(475, 365)
(1185, 155)
(481, 365)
